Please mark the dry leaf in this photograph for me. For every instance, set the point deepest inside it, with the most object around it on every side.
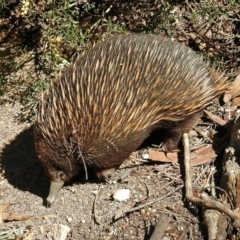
(15, 217)
(236, 211)
(238, 214)
(235, 102)
(234, 90)
(10, 217)
(3, 208)
(215, 118)
(200, 156)
(162, 157)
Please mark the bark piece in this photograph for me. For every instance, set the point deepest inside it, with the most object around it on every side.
(230, 179)
(160, 228)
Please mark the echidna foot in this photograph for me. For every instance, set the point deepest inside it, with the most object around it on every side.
(106, 174)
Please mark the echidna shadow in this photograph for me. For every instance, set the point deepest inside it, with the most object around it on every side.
(21, 166)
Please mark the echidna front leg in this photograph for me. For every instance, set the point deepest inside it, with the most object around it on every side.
(55, 187)
(175, 131)
(105, 174)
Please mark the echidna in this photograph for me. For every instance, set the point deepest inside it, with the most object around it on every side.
(111, 98)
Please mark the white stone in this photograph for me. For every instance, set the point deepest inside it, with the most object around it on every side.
(121, 194)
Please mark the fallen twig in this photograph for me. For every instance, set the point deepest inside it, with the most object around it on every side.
(206, 202)
(204, 135)
(158, 192)
(96, 217)
(122, 212)
(154, 201)
(215, 118)
(160, 227)
(184, 233)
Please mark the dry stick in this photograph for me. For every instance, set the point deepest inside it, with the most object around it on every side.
(228, 197)
(215, 118)
(163, 187)
(209, 203)
(184, 233)
(96, 24)
(96, 217)
(154, 201)
(201, 173)
(148, 204)
(202, 134)
(160, 227)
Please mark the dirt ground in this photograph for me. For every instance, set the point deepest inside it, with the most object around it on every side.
(88, 208)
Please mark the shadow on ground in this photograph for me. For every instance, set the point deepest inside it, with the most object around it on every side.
(21, 166)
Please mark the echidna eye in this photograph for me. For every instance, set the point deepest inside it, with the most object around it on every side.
(60, 174)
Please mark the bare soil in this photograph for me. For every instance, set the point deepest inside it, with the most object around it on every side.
(88, 208)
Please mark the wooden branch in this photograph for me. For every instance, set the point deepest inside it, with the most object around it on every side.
(215, 118)
(160, 227)
(206, 202)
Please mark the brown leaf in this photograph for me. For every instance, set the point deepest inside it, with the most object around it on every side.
(10, 217)
(162, 157)
(238, 214)
(195, 194)
(200, 156)
(215, 118)
(236, 102)
(3, 208)
(234, 90)
(15, 217)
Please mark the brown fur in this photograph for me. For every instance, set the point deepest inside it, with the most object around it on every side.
(103, 106)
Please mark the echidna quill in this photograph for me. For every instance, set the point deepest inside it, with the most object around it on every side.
(111, 98)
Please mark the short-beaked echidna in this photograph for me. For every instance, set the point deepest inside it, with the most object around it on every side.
(111, 98)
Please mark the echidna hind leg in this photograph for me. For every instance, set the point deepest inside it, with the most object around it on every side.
(105, 174)
(175, 131)
(55, 187)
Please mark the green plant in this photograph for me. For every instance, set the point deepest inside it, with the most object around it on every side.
(88, 6)
(113, 27)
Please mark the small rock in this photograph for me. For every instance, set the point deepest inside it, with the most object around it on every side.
(166, 238)
(59, 232)
(69, 219)
(145, 156)
(95, 192)
(121, 194)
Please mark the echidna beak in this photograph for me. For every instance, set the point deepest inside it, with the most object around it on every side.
(54, 189)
